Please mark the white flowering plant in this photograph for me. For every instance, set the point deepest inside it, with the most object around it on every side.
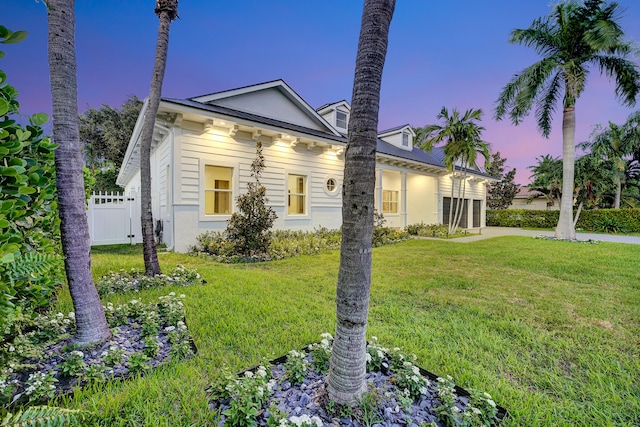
(73, 364)
(321, 353)
(296, 366)
(248, 394)
(376, 354)
(135, 280)
(39, 341)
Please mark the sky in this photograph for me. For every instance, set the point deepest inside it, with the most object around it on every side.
(451, 53)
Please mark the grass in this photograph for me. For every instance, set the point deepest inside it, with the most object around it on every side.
(550, 329)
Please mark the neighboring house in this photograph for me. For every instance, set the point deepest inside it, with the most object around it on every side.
(203, 148)
(533, 200)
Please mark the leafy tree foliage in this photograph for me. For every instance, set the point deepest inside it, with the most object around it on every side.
(28, 221)
(547, 178)
(249, 229)
(29, 225)
(501, 193)
(574, 37)
(461, 135)
(615, 145)
(105, 133)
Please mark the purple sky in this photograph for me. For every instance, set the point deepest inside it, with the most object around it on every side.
(448, 53)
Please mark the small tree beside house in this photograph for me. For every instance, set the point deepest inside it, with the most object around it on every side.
(249, 229)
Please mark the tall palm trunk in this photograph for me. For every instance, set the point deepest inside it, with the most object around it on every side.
(167, 11)
(348, 363)
(453, 185)
(565, 229)
(74, 230)
(461, 196)
(618, 182)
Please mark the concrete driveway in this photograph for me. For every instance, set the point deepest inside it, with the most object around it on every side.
(489, 232)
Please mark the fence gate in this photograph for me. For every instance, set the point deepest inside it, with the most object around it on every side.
(114, 219)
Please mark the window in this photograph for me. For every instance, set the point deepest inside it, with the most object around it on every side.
(389, 201)
(341, 119)
(217, 190)
(405, 140)
(297, 194)
(331, 185)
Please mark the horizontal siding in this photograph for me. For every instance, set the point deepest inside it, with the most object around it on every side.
(280, 159)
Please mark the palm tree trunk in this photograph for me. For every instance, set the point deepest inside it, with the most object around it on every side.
(345, 382)
(167, 11)
(464, 189)
(618, 182)
(74, 231)
(565, 229)
(453, 184)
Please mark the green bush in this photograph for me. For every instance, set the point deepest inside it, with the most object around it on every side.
(249, 229)
(428, 230)
(610, 220)
(605, 220)
(29, 224)
(522, 218)
(284, 244)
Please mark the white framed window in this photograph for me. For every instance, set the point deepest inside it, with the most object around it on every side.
(341, 119)
(390, 201)
(405, 139)
(297, 194)
(218, 190)
(331, 185)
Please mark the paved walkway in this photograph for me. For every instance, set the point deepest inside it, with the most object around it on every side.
(489, 232)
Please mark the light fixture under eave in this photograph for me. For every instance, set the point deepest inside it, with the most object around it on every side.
(339, 151)
(295, 142)
(208, 125)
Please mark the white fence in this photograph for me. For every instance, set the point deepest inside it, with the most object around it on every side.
(114, 218)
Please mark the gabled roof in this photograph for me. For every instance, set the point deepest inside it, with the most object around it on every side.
(342, 103)
(281, 86)
(254, 118)
(396, 130)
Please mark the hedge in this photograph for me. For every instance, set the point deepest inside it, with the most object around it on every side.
(608, 220)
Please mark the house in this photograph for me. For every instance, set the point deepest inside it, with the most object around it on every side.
(527, 198)
(203, 148)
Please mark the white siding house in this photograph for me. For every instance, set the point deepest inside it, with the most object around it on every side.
(203, 148)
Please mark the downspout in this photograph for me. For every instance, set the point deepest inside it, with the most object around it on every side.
(171, 189)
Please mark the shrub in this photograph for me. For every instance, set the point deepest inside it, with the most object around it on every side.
(522, 218)
(384, 235)
(428, 230)
(248, 230)
(29, 224)
(607, 220)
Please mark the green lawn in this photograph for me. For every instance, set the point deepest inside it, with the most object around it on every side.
(550, 329)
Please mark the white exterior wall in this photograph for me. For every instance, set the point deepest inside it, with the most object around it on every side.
(537, 204)
(215, 148)
(418, 197)
(474, 190)
(161, 187)
(423, 203)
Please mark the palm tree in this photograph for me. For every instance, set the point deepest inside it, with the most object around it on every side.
(461, 135)
(617, 143)
(547, 178)
(574, 37)
(90, 318)
(593, 181)
(167, 11)
(346, 380)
